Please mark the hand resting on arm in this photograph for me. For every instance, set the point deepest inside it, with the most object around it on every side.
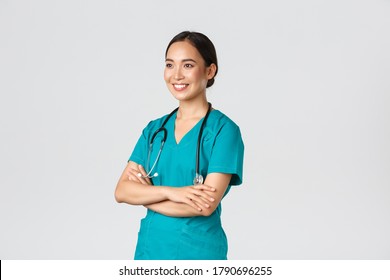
(179, 202)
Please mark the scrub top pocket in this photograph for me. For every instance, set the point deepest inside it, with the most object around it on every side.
(141, 248)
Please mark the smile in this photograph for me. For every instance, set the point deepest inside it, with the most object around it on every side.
(180, 86)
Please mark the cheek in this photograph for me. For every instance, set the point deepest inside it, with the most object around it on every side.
(166, 76)
(196, 75)
(201, 77)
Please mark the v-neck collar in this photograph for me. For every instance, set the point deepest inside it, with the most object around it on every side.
(187, 134)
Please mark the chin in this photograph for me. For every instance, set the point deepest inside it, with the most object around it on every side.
(180, 95)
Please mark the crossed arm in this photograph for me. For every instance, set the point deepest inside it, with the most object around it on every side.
(187, 201)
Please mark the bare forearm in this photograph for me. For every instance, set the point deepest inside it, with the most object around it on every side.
(134, 187)
(174, 209)
(135, 193)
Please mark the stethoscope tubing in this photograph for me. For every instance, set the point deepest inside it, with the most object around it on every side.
(198, 177)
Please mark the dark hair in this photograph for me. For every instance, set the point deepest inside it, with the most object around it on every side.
(204, 46)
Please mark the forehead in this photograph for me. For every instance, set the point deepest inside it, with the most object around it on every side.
(183, 50)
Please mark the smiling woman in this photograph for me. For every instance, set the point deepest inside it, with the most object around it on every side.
(184, 163)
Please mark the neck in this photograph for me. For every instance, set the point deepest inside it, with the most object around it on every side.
(190, 110)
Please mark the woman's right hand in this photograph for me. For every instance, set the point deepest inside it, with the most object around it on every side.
(194, 196)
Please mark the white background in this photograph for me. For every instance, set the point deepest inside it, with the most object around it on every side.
(306, 81)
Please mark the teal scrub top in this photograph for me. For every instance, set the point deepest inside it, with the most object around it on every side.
(222, 150)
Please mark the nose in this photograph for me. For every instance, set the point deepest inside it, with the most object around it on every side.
(178, 75)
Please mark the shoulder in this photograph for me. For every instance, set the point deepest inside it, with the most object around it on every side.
(219, 120)
(155, 124)
(220, 126)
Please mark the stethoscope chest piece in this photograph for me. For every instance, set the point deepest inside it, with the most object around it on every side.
(198, 180)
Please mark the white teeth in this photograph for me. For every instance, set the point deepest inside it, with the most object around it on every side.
(179, 86)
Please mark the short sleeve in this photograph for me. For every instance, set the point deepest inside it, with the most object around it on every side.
(228, 153)
(139, 153)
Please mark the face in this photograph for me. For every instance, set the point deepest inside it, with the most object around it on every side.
(186, 74)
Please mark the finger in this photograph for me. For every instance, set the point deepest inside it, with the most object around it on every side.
(132, 177)
(135, 175)
(199, 201)
(208, 188)
(203, 195)
(201, 206)
(206, 201)
(143, 172)
(191, 203)
(205, 187)
(132, 171)
(142, 179)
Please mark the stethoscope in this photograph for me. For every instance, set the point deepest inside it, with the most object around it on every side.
(198, 177)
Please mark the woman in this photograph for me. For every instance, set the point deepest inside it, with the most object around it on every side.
(183, 212)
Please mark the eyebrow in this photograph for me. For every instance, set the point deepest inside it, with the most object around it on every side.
(183, 60)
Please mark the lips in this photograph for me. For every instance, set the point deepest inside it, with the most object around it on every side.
(180, 87)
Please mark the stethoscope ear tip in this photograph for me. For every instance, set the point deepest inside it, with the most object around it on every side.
(155, 174)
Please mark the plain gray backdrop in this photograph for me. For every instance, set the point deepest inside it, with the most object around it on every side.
(306, 81)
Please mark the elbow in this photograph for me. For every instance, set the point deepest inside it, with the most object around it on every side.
(122, 195)
(118, 195)
(208, 212)
(118, 198)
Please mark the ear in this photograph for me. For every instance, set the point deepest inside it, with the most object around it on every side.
(211, 71)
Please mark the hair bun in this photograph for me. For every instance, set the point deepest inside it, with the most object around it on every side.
(210, 82)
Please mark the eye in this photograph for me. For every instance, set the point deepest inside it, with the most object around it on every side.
(168, 65)
(188, 65)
